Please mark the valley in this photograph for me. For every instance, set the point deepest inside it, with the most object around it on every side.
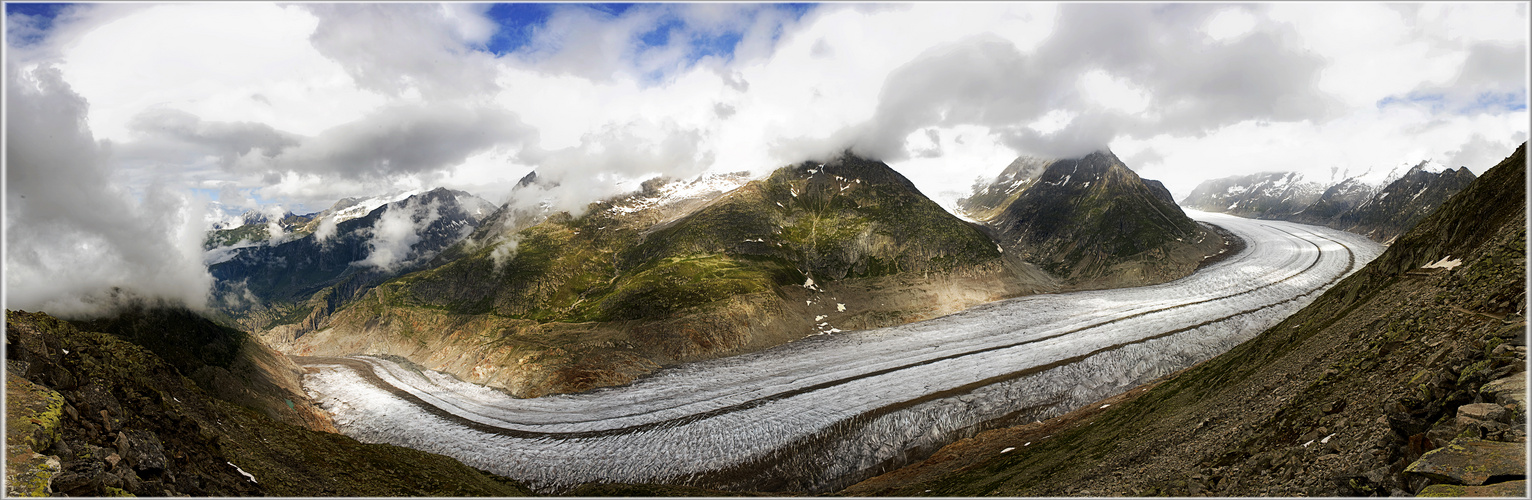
(653, 249)
(820, 413)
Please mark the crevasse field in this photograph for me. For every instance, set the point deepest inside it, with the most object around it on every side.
(826, 411)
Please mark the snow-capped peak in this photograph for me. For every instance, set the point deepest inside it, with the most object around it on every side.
(361, 208)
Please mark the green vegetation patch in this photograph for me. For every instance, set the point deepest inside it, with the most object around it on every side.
(678, 283)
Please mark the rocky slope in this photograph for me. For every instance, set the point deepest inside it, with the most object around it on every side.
(1092, 222)
(1408, 377)
(92, 414)
(636, 283)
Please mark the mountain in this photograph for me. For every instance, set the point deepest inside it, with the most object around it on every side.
(256, 227)
(1091, 221)
(1267, 195)
(1338, 199)
(1378, 206)
(1401, 204)
(989, 198)
(94, 414)
(267, 285)
(680, 271)
(1406, 378)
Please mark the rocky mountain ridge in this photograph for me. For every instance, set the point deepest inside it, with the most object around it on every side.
(1360, 204)
(328, 263)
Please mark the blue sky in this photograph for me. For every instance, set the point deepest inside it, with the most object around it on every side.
(519, 22)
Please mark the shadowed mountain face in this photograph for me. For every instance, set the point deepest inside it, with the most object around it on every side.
(1340, 399)
(1402, 203)
(1083, 219)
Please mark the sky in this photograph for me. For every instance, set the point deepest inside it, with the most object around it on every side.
(130, 127)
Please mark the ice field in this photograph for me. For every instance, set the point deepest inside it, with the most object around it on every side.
(823, 412)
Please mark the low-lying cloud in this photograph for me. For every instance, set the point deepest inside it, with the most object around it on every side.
(76, 242)
(396, 232)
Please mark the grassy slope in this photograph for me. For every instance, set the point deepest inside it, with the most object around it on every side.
(770, 233)
(1360, 355)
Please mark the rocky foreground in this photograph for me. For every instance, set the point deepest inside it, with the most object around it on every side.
(90, 414)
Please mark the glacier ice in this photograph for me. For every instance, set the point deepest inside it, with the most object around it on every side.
(826, 411)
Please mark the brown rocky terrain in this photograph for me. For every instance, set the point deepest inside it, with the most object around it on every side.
(1407, 378)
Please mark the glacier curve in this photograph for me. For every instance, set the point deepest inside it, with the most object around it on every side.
(826, 411)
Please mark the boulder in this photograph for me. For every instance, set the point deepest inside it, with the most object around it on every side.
(142, 450)
(82, 478)
(32, 414)
(1480, 412)
(1471, 462)
(28, 474)
(1513, 489)
(1509, 390)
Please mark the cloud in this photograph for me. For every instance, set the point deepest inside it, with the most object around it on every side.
(402, 140)
(317, 102)
(166, 128)
(399, 48)
(1121, 69)
(326, 229)
(612, 161)
(396, 232)
(72, 236)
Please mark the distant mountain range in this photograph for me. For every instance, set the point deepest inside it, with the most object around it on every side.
(1380, 207)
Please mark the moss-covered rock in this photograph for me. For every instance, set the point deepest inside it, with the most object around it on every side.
(1512, 489)
(33, 416)
(1472, 462)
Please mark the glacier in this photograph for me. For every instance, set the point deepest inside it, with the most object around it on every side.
(821, 413)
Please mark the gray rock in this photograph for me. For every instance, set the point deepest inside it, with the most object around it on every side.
(1480, 412)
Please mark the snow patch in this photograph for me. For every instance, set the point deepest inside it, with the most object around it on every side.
(1447, 263)
(243, 473)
